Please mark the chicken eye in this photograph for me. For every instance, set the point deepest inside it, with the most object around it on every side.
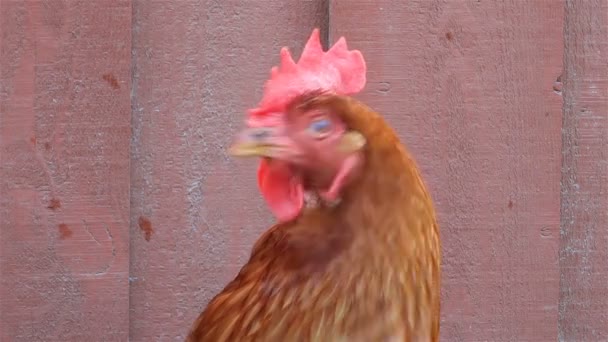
(320, 126)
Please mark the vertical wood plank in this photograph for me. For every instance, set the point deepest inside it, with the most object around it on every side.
(583, 310)
(469, 87)
(196, 212)
(64, 170)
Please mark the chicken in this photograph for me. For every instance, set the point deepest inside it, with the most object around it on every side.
(355, 255)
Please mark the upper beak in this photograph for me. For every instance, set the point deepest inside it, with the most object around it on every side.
(255, 142)
(268, 142)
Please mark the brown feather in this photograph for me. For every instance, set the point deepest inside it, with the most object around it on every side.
(367, 269)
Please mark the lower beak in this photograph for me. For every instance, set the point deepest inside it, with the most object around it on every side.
(242, 149)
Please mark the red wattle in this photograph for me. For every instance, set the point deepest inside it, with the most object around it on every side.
(281, 189)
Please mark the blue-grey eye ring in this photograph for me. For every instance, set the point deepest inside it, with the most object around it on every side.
(320, 126)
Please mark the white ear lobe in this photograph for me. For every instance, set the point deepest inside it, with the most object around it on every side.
(352, 141)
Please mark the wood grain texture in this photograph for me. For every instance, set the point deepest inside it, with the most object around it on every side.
(583, 310)
(469, 87)
(195, 212)
(64, 170)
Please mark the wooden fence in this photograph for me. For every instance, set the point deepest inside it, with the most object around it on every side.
(121, 214)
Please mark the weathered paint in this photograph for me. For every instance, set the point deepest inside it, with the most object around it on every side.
(64, 170)
(583, 305)
(198, 66)
(469, 87)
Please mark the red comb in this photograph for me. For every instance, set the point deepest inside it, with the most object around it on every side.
(338, 70)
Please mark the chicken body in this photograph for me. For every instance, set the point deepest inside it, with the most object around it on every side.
(364, 269)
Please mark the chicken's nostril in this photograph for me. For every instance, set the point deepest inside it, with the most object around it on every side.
(260, 134)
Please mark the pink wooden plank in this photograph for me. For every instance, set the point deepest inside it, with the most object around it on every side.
(584, 249)
(195, 212)
(64, 170)
(469, 86)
